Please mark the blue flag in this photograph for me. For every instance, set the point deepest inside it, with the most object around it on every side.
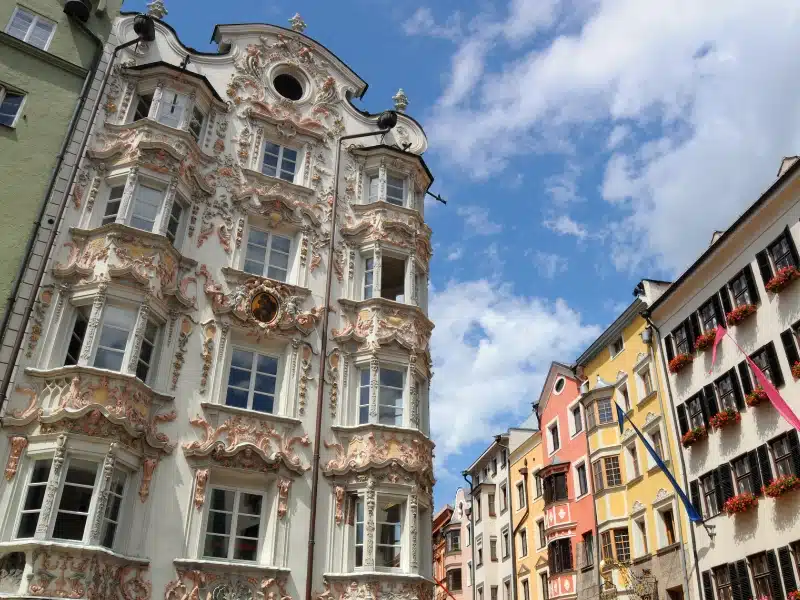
(694, 516)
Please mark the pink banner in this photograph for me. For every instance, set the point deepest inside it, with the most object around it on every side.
(717, 339)
(772, 393)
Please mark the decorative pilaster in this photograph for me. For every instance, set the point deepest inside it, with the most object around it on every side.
(94, 323)
(374, 368)
(148, 468)
(382, 181)
(223, 341)
(43, 526)
(284, 485)
(168, 201)
(369, 524)
(102, 498)
(411, 283)
(127, 195)
(339, 494)
(138, 336)
(187, 113)
(413, 392)
(158, 96)
(413, 512)
(377, 268)
(201, 479)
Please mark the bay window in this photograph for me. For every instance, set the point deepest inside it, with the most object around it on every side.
(606, 472)
(559, 554)
(78, 489)
(152, 208)
(279, 161)
(388, 522)
(391, 390)
(267, 254)
(252, 381)
(604, 412)
(170, 109)
(389, 544)
(233, 525)
(555, 488)
(396, 189)
(116, 341)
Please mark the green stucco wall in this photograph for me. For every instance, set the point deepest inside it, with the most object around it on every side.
(28, 152)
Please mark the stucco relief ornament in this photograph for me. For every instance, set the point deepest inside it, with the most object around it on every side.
(400, 100)
(284, 485)
(339, 494)
(201, 480)
(37, 319)
(17, 445)
(156, 8)
(413, 453)
(297, 23)
(148, 468)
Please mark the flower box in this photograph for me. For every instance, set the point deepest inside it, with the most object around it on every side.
(795, 595)
(694, 435)
(740, 313)
(782, 279)
(781, 485)
(796, 375)
(706, 340)
(724, 418)
(756, 397)
(739, 504)
(679, 362)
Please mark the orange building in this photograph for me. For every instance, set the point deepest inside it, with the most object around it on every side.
(568, 523)
(440, 522)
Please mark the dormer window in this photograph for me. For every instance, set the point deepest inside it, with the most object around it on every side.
(279, 161)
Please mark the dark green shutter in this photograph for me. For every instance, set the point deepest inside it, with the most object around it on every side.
(694, 492)
(765, 467)
(737, 390)
(775, 367)
(751, 284)
(790, 347)
(794, 450)
(744, 374)
(785, 561)
(669, 347)
(792, 247)
(727, 303)
(734, 579)
(692, 328)
(764, 267)
(726, 483)
(716, 476)
(683, 420)
(710, 401)
(743, 580)
(708, 589)
(755, 472)
(774, 575)
(718, 310)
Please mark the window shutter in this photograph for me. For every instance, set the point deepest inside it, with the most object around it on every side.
(743, 579)
(751, 284)
(755, 475)
(716, 477)
(568, 545)
(774, 575)
(772, 356)
(744, 373)
(727, 303)
(683, 421)
(764, 465)
(708, 589)
(790, 347)
(726, 483)
(692, 327)
(794, 450)
(785, 561)
(737, 390)
(792, 247)
(669, 347)
(718, 309)
(709, 402)
(764, 267)
(694, 492)
(734, 579)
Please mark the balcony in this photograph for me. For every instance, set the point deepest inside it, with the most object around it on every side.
(376, 584)
(260, 305)
(92, 402)
(376, 322)
(116, 251)
(34, 569)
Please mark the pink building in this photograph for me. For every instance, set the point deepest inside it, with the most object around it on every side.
(452, 552)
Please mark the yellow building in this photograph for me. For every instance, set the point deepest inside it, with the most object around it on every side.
(527, 504)
(640, 523)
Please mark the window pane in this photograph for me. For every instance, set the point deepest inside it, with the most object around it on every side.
(267, 364)
(265, 384)
(391, 378)
(20, 24)
(263, 403)
(216, 546)
(237, 398)
(69, 526)
(219, 522)
(146, 205)
(242, 359)
(40, 34)
(239, 378)
(9, 108)
(222, 499)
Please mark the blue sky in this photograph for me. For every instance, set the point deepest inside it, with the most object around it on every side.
(581, 145)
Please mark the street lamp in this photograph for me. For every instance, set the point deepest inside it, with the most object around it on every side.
(386, 121)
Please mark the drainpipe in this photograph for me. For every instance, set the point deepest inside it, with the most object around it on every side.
(510, 510)
(471, 531)
(62, 151)
(524, 472)
(596, 533)
(144, 28)
(683, 464)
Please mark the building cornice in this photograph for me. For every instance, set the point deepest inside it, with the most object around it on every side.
(42, 55)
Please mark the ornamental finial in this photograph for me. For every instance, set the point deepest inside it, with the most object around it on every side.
(156, 8)
(297, 23)
(400, 100)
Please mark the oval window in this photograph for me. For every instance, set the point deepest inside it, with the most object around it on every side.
(559, 386)
(288, 86)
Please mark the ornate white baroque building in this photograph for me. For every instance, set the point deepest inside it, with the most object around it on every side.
(159, 440)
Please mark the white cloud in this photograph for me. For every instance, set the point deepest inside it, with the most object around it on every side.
(565, 225)
(477, 221)
(422, 22)
(706, 80)
(549, 265)
(563, 187)
(491, 351)
(617, 136)
(455, 252)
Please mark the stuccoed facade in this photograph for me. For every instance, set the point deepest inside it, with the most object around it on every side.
(159, 438)
(49, 71)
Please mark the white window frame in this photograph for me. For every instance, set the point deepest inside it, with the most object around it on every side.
(648, 431)
(270, 236)
(521, 486)
(611, 347)
(3, 91)
(277, 405)
(641, 547)
(232, 535)
(576, 479)
(571, 418)
(523, 534)
(629, 461)
(551, 449)
(104, 520)
(184, 206)
(661, 527)
(162, 104)
(402, 178)
(203, 123)
(404, 534)
(147, 183)
(620, 396)
(36, 18)
(297, 163)
(538, 545)
(92, 503)
(641, 392)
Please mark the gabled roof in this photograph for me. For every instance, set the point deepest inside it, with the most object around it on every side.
(556, 369)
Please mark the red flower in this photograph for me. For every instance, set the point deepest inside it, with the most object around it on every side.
(739, 504)
(781, 485)
(694, 435)
(740, 313)
(796, 375)
(706, 340)
(795, 595)
(782, 279)
(679, 362)
(724, 418)
(756, 397)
